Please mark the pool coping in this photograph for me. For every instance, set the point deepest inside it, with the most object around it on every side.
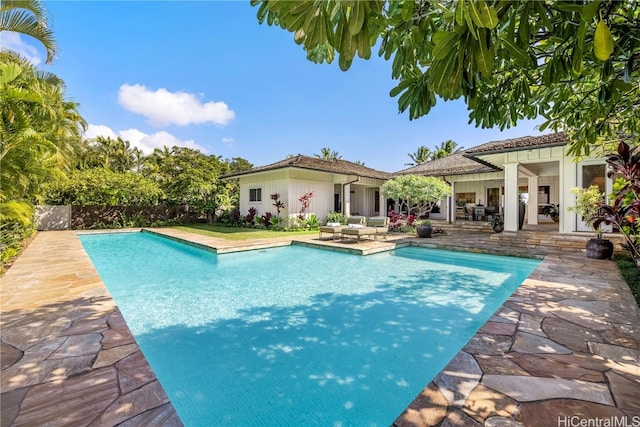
(536, 328)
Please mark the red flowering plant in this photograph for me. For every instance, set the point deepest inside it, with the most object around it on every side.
(266, 219)
(400, 222)
(395, 220)
(278, 204)
(623, 210)
(250, 216)
(305, 202)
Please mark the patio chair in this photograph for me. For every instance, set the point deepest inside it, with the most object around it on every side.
(381, 225)
(468, 211)
(335, 230)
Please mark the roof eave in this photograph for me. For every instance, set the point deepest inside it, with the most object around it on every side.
(239, 174)
(473, 155)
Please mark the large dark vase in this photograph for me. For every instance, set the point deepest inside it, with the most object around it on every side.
(424, 231)
(521, 212)
(599, 249)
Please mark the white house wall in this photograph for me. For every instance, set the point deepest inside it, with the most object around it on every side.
(268, 187)
(320, 204)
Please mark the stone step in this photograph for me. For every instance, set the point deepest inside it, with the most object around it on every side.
(463, 225)
(529, 238)
(556, 241)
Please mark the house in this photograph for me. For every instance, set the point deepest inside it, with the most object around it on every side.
(499, 173)
(337, 185)
(495, 175)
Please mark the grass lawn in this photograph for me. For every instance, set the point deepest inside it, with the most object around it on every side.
(238, 233)
(630, 273)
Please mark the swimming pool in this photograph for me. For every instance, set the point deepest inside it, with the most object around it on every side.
(296, 335)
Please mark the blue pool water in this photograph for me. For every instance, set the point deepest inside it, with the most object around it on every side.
(298, 336)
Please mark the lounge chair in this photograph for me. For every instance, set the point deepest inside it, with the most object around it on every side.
(335, 230)
(375, 226)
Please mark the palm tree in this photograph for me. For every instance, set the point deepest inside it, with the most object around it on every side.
(115, 154)
(28, 17)
(446, 148)
(422, 155)
(327, 154)
(138, 159)
(39, 129)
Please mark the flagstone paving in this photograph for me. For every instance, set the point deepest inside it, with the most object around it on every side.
(565, 344)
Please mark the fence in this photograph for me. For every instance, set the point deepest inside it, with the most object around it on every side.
(97, 216)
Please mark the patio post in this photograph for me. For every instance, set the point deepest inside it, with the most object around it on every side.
(511, 196)
(533, 200)
(346, 209)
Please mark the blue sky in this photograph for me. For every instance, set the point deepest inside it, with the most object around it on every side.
(205, 74)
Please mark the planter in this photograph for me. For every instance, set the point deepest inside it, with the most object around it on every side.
(555, 218)
(424, 231)
(498, 228)
(521, 212)
(599, 249)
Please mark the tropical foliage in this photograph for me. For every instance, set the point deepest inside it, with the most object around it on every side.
(586, 207)
(101, 186)
(424, 154)
(327, 154)
(623, 209)
(112, 172)
(189, 177)
(28, 17)
(39, 129)
(114, 154)
(16, 224)
(39, 134)
(574, 63)
(416, 193)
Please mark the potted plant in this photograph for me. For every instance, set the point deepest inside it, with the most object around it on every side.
(552, 211)
(522, 209)
(424, 228)
(587, 206)
(497, 223)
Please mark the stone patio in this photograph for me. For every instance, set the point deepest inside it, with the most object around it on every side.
(565, 344)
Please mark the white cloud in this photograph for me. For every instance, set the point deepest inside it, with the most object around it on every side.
(228, 141)
(145, 142)
(163, 108)
(12, 41)
(98, 130)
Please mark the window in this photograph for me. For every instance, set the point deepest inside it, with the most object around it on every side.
(255, 194)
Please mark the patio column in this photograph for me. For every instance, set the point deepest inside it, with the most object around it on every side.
(533, 200)
(452, 203)
(346, 206)
(511, 197)
(382, 203)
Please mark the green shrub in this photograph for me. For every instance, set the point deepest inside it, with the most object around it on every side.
(16, 224)
(312, 222)
(337, 217)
